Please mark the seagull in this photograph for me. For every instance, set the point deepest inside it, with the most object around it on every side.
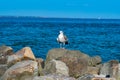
(62, 39)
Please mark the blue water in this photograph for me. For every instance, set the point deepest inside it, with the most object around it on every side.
(91, 36)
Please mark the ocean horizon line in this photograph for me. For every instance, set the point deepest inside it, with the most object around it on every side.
(99, 18)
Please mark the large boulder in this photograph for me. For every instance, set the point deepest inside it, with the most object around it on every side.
(110, 68)
(54, 54)
(23, 54)
(57, 67)
(76, 61)
(58, 53)
(4, 52)
(70, 58)
(53, 77)
(24, 70)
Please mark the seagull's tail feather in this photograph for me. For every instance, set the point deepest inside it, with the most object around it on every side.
(66, 42)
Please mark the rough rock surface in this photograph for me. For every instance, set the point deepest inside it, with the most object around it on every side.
(40, 63)
(26, 53)
(93, 70)
(77, 66)
(23, 54)
(4, 52)
(100, 78)
(110, 68)
(58, 53)
(54, 54)
(3, 68)
(118, 78)
(21, 71)
(57, 67)
(53, 77)
(93, 61)
(86, 77)
(76, 61)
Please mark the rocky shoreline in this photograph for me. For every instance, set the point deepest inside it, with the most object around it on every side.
(60, 64)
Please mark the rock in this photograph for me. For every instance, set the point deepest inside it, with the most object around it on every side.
(99, 78)
(58, 53)
(93, 70)
(40, 70)
(111, 68)
(23, 54)
(86, 77)
(77, 66)
(3, 60)
(102, 77)
(74, 57)
(4, 52)
(93, 61)
(105, 69)
(3, 68)
(53, 77)
(118, 78)
(40, 62)
(57, 67)
(24, 70)
(26, 53)
(54, 54)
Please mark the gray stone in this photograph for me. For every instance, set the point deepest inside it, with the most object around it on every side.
(77, 66)
(86, 77)
(93, 70)
(105, 69)
(21, 71)
(41, 61)
(57, 67)
(3, 68)
(5, 51)
(93, 61)
(41, 65)
(58, 53)
(118, 75)
(53, 77)
(74, 57)
(110, 68)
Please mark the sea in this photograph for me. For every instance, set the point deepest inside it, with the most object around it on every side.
(95, 37)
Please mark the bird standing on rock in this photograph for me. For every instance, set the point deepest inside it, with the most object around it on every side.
(62, 39)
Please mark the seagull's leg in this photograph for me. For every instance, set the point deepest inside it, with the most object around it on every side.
(60, 45)
(63, 45)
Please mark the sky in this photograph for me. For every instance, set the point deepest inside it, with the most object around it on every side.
(61, 8)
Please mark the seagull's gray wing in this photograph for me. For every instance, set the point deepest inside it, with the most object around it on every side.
(65, 37)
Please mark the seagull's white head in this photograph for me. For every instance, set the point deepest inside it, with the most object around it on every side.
(61, 32)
